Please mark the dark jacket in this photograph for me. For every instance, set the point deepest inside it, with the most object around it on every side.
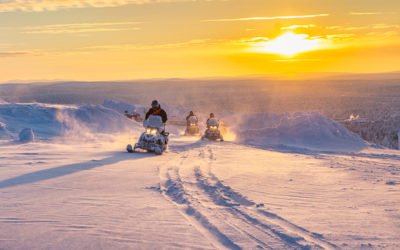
(158, 111)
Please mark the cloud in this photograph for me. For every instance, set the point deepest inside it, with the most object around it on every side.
(340, 36)
(13, 53)
(81, 28)
(294, 27)
(194, 42)
(378, 26)
(385, 26)
(364, 13)
(385, 34)
(297, 60)
(265, 18)
(288, 44)
(53, 5)
(253, 40)
(4, 45)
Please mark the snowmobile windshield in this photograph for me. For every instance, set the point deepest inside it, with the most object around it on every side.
(212, 122)
(193, 119)
(153, 122)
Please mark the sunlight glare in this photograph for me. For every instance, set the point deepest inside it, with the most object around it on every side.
(289, 44)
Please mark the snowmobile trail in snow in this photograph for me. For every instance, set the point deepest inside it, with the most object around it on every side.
(224, 216)
(199, 195)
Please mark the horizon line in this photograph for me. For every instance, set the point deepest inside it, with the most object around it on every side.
(272, 76)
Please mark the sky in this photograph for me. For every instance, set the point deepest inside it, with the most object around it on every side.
(136, 39)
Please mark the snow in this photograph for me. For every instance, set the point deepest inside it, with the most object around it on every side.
(248, 193)
(383, 131)
(4, 133)
(50, 121)
(199, 195)
(2, 101)
(309, 130)
(26, 135)
(121, 107)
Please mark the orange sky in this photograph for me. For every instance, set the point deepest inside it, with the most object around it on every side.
(130, 39)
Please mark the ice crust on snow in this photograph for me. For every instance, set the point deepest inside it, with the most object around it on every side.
(309, 130)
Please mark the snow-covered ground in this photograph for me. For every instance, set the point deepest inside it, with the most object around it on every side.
(281, 181)
(200, 195)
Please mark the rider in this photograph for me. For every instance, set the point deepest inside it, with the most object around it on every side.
(212, 120)
(156, 110)
(213, 128)
(191, 114)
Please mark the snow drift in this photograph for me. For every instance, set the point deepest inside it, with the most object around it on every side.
(309, 130)
(48, 121)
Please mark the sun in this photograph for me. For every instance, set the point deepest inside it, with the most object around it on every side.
(289, 44)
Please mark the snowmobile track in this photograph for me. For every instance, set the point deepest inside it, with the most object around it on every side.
(225, 217)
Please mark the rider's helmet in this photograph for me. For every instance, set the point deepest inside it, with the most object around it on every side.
(212, 115)
(155, 104)
(191, 113)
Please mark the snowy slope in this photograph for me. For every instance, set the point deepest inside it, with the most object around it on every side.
(91, 194)
(296, 130)
(49, 121)
(199, 195)
(308, 130)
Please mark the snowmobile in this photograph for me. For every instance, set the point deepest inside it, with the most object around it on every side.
(152, 140)
(192, 127)
(212, 132)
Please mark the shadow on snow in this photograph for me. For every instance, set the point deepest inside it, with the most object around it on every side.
(69, 169)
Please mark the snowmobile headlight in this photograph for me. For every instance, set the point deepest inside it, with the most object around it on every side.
(151, 131)
(192, 124)
(213, 127)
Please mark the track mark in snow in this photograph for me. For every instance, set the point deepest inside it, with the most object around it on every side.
(171, 186)
(247, 209)
(224, 195)
(225, 217)
(237, 207)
